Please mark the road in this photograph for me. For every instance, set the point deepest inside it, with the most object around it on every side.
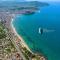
(18, 49)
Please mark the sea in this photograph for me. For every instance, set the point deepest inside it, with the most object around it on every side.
(48, 19)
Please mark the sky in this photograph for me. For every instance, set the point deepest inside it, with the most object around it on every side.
(12, 0)
(42, 0)
(29, 0)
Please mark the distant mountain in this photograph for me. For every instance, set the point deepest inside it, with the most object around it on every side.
(13, 5)
(23, 3)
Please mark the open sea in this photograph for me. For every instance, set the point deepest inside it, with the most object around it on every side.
(27, 26)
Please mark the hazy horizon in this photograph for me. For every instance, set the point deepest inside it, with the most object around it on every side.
(32, 0)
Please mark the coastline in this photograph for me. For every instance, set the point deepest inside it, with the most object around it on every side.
(17, 39)
(22, 42)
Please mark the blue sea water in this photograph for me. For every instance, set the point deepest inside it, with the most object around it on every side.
(28, 27)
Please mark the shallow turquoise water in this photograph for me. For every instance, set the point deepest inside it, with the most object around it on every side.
(28, 27)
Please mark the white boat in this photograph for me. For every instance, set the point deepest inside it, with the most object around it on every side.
(41, 30)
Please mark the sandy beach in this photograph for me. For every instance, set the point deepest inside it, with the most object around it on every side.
(21, 39)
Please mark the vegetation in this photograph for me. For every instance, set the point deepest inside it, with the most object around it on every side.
(7, 42)
(8, 50)
(28, 54)
(2, 31)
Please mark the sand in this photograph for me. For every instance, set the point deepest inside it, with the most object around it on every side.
(21, 39)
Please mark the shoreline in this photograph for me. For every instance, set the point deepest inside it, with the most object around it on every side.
(16, 37)
(22, 42)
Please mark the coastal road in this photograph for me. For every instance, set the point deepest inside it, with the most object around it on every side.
(18, 49)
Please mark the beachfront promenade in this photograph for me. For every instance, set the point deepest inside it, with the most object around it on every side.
(17, 47)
